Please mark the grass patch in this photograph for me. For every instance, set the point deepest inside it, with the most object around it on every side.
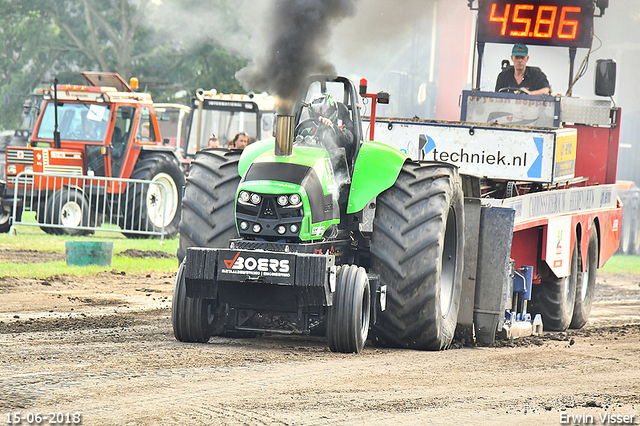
(33, 238)
(622, 264)
(120, 263)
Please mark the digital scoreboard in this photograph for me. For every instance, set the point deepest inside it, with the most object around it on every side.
(551, 23)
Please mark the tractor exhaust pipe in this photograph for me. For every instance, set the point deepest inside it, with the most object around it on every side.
(284, 135)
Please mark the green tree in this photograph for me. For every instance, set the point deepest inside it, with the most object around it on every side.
(42, 39)
(26, 54)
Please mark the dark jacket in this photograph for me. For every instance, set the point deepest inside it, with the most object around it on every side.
(534, 79)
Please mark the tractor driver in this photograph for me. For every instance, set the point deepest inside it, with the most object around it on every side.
(529, 80)
(323, 111)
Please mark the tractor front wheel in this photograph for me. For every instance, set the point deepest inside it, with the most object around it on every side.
(348, 318)
(193, 319)
(68, 207)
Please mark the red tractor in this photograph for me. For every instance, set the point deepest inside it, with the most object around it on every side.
(83, 135)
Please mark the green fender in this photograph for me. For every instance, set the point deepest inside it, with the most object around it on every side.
(253, 151)
(377, 168)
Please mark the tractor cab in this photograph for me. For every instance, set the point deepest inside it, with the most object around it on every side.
(296, 187)
(90, 129)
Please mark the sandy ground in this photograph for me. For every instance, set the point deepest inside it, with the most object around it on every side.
(101, 350)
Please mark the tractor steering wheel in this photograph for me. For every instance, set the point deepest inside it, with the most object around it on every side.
(313, 127)
(511, 89)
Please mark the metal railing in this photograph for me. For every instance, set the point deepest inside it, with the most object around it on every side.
(77, 205)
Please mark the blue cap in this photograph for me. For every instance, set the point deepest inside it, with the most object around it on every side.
(519, 50)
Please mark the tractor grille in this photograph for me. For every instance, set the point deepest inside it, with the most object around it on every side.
(20, 156)
(58, 169)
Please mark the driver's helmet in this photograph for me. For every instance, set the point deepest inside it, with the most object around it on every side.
(323, 106)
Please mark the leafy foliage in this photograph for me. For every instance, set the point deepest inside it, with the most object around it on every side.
(151, 40)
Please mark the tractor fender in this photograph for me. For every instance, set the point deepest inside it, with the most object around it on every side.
(377, 168)
(253, 151)
(169, 150)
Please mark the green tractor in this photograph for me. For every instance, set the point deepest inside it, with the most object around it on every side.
(316, 233)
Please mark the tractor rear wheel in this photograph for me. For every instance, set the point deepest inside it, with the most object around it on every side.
(149, 207)
(193, 319)
(208, 207)
(417, 248)
(554, 298)
(348, 318)
(586, 283)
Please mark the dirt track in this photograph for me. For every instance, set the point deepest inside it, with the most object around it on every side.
(103, 347)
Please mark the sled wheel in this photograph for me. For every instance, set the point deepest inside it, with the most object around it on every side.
(586, 283)
(193, 319)
(554, 298)
(417, 249)
(348, 318)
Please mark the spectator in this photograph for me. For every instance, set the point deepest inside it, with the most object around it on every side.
(214, 142)
(240, 141)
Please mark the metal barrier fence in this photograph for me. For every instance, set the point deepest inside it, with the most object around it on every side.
(78, 205)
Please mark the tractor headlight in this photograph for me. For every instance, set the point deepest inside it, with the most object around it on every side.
(28, 168)
(283, 200)
(243, 197)
(281, 229)
(293, 228)
(11, 169)
(244, 225)
(257, 228)
(294, 199)
(255, 199)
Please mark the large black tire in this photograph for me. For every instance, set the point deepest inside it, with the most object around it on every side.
(208, 207)
(6, 218)
(348, 318)
(145, 203)
(554, 298)
(68, 207)
(417, 248)
(586, 283)
(5, 223)
(193, 319)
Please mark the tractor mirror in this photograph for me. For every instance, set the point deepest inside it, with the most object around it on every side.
(26, 107)
(605, 84)
(383, 98)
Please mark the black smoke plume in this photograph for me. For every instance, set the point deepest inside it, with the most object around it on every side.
(296, 34)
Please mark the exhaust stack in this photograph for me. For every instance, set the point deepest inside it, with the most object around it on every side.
(284, 135)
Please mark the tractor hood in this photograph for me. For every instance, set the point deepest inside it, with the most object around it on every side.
(307, 172)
